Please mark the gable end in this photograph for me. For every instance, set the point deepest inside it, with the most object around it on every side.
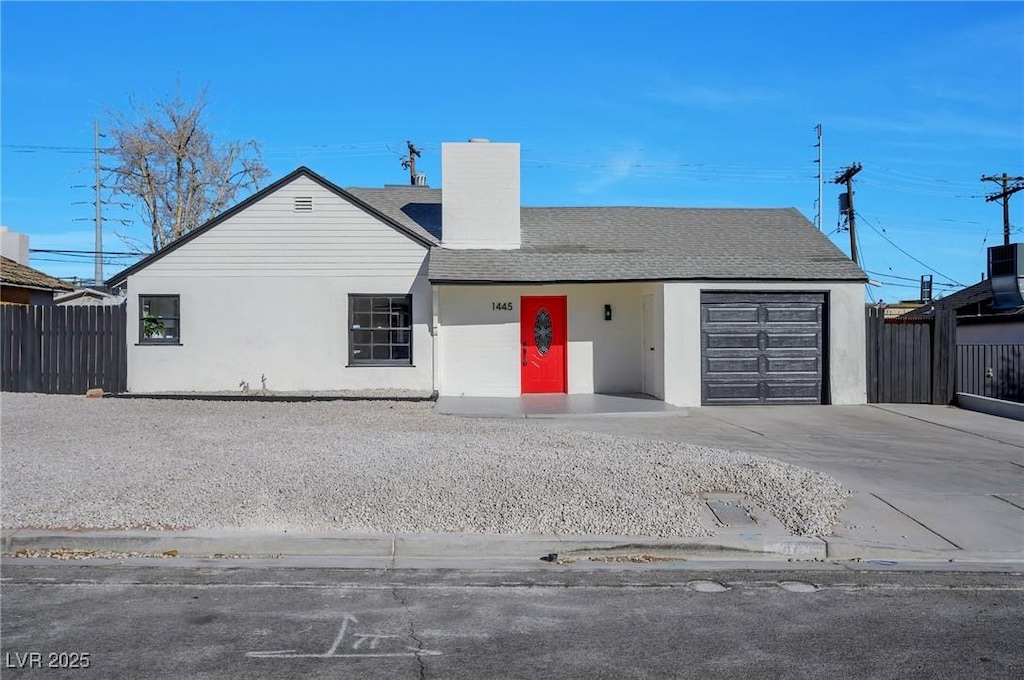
(423, 239)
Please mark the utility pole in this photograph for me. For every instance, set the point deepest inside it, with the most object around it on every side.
(847, 177)
(99, 209)
(817, 217)
(409, 162)
(1005, 194)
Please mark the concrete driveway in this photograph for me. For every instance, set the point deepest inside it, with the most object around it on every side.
(927, 480)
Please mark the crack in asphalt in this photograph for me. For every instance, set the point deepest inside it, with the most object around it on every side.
(401, 600)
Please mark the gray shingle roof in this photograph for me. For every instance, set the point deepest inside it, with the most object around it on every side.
(630, 243)
(978, 298)
(417, 208)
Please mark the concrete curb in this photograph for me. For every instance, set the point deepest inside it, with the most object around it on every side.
(406, 546)
(463, 550)
(993, 407)
(844, 549)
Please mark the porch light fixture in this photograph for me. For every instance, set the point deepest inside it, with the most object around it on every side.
(607, 312)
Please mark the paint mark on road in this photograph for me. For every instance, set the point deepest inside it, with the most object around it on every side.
(339, 649)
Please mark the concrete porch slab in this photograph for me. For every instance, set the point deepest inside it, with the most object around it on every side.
(556, 406)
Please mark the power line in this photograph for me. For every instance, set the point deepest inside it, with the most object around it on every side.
(890, 242)
(77, 262)
(906, 278)
(81, 252)
(903, 285)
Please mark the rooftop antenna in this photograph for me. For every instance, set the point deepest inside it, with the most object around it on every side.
(409, 163)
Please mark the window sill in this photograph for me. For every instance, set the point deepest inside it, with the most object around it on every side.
(159, 344)
(380, 365)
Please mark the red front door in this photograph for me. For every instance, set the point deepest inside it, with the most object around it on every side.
(543, 334)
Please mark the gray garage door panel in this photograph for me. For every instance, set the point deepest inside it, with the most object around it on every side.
(762, 348)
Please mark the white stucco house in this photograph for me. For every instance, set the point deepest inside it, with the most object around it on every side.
(461, 291)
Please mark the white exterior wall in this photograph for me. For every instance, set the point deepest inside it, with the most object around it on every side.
(266, 293)
(479, 347)
(481, 195)
(14, 246)
(847, 363)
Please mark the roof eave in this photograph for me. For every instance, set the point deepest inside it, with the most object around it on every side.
(442, 281)
(29, 286)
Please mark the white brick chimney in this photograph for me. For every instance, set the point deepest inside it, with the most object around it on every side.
(480, 195)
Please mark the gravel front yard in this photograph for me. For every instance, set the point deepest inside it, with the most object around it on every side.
(68, 461)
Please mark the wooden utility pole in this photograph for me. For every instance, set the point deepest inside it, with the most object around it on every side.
(847, 177)
(1005, 194)
(409, 162)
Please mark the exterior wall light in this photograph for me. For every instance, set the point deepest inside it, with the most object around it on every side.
(607, 312)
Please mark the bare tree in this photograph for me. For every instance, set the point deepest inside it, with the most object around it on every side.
(168, 164)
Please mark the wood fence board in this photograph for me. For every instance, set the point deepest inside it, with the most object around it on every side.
(909, 360)
(63, 350)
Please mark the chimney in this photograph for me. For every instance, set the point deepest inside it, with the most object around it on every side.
(480, 195)
(14, 246)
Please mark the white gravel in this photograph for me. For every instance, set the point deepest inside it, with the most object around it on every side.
(70, 462)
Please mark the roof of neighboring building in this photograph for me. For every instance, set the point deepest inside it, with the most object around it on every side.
(978, 294)
(16, 274)
(100, 295)
(631, 243)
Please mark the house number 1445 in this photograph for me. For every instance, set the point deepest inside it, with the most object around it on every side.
(503, 306)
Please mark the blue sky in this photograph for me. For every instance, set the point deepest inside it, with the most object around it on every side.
(668, 104)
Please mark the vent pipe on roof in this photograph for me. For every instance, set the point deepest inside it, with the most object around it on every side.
(479, 140)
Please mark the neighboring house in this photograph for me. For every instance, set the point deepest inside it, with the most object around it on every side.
(893, 310)
(314, 287)
(88, 296)
(23, 285)
(977, 322)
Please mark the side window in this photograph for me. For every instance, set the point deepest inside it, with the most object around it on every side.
(159, 319)
(380, 330)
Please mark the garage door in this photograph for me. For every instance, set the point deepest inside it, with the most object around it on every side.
(762, 348)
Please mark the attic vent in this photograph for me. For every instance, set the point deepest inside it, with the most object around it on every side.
(303, 204)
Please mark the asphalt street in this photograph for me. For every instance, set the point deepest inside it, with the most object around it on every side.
(221, 622)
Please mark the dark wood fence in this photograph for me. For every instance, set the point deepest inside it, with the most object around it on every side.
(991, 371)
(911, 361)
(63, 349)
